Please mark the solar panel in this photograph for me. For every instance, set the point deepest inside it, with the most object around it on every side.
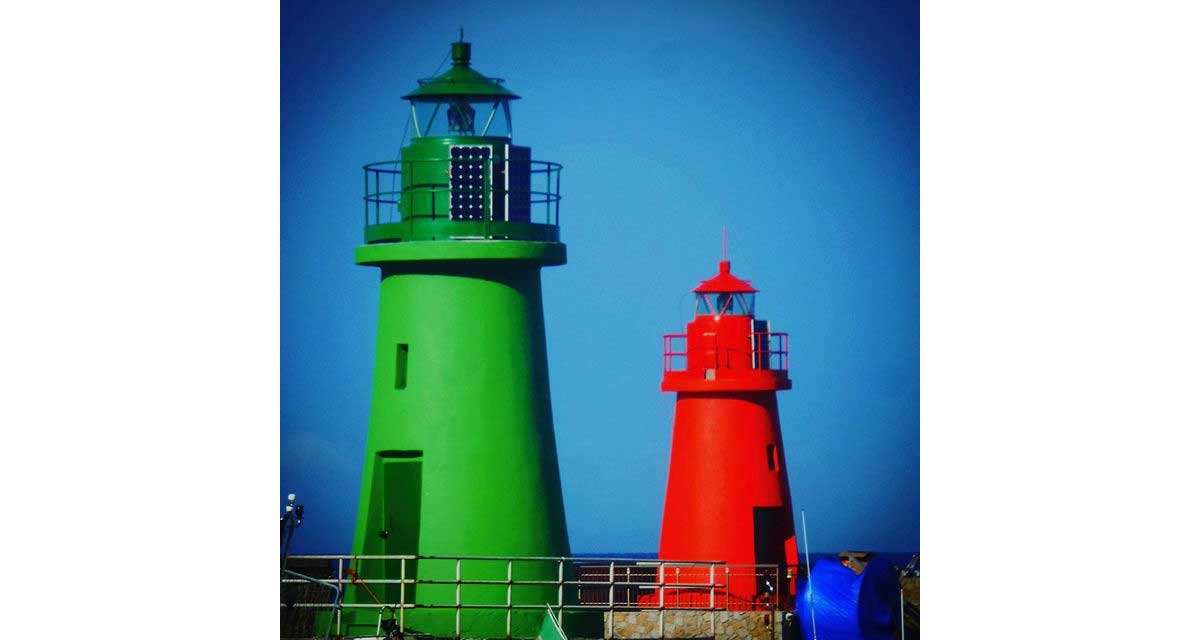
(483, 186)
(470, 196)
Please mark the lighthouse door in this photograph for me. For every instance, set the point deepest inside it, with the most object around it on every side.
(395, 516)
(771, 531)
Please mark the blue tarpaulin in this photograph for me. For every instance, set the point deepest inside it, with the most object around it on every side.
(848, 606)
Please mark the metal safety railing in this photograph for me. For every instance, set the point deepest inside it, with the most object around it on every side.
(766, 350)
(578, 584)
(773, 346)
(386, 194)
(674, 347)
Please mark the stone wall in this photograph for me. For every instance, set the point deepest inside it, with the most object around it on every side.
(718, 625)
(681, 625)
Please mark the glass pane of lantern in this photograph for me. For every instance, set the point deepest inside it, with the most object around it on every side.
(742, 305)
(724, 303)
(747, 303)
(463, 117)
(738, 306)
(496, 123)
(460, 118)
(427, 112)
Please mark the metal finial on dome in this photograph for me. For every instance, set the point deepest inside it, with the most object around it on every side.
(460, 80)
(460, 52)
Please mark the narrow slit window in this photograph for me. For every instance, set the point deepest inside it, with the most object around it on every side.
(401, 366)
(770, 457)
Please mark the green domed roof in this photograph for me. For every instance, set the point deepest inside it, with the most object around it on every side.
(460, 81)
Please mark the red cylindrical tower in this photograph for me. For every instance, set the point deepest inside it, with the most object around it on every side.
(727, 490)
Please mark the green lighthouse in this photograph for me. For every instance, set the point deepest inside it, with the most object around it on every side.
(460, 458)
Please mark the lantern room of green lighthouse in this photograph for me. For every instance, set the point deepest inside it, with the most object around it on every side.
(461, 457)
(461, 177)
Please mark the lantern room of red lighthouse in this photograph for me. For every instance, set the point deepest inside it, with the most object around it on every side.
(727, 495)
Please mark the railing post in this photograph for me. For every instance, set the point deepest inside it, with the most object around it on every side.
(712, 599)
(661, 576)
(508, 603)
(338, 603)
(403, 578)
(778, 586)
(457, 597)
(726, 586)
(507, 200)
(612, 613)
(560, 590)
(376, 198)
(662, 591)
(557, 193)
(366, 199)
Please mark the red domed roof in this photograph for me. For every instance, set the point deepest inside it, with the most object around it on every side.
(725, 282)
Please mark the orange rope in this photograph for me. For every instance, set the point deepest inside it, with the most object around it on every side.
(354, 580)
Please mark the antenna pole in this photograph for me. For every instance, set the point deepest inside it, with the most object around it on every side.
(724, 243)
(812, 610)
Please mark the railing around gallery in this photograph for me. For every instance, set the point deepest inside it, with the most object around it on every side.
(580, 584)
(386, 192)
(765, 350)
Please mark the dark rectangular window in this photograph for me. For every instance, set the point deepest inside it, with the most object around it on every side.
(771, 457)
(401, 366)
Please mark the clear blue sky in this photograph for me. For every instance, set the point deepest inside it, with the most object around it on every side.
(793, 124)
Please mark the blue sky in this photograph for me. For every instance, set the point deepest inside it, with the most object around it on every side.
(795, 125)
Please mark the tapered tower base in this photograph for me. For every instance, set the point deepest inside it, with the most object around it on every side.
(461, 459)
(727, 494)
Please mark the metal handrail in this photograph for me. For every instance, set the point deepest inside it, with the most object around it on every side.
(770, 354)
(719, 575)
(384, 190)
(669, 352)
(336, 587)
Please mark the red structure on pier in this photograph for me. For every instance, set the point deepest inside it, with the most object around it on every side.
(727, 489)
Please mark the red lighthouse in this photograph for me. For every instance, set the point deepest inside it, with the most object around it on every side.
(727, 489)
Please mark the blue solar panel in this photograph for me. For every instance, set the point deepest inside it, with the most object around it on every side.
(469, 193)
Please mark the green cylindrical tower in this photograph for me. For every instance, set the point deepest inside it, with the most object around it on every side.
(461, 458)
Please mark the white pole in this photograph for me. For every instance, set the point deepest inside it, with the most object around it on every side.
(812, 610)
(901, 612)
